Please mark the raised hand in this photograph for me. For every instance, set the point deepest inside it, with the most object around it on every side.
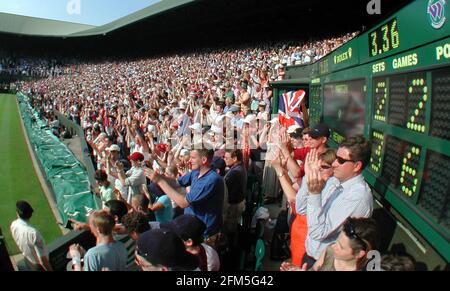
(152, 175)
(314, 180)
(309, 161)
(276, 162)
(284, 159)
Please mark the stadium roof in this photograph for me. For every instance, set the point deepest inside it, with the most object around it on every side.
(26, 25)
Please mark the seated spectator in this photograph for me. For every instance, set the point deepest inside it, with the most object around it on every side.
(190, 229)
(163, 250)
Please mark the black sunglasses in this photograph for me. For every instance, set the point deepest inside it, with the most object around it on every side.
(342, 160)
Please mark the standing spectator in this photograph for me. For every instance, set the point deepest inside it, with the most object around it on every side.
(329, 203)
(236, 181)
(113, 156)
(162, 208)
(107, 254)
(133, 178)
(205, 199)
(29, 240)
(299, 227)
(104, 191)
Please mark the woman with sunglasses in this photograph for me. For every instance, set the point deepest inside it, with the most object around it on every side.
(349, 253)
(299, 227)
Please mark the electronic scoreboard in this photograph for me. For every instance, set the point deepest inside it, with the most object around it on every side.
(392, 84)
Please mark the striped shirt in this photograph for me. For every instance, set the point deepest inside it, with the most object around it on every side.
(327, 211)
(130, 245)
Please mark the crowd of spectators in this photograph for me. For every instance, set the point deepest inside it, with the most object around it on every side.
(37, 67)
(179, 134)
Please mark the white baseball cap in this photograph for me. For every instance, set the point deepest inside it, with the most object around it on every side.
(184, 152)
(113, 147)
(292, 128)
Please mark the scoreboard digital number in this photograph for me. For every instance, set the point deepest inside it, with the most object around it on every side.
(384, 39)
(406, 96)
(400, 101)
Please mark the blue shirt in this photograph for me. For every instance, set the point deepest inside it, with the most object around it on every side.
(112, 256)
(164, 214)
(205, 198)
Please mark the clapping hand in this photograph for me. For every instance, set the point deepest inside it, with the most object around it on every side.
(313, 177)
(152, 175)
(279, 162)
(284, 137)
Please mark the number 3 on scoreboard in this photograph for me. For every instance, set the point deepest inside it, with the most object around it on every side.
(373, 35)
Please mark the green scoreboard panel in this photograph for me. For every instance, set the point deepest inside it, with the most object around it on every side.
(392, 84)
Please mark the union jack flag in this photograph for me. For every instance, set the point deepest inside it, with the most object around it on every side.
(289, 108)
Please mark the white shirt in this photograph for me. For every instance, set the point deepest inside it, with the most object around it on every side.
(29, 240)
(135, 178)
(326, 213)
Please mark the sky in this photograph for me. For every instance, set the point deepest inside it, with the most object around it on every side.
(92, 12)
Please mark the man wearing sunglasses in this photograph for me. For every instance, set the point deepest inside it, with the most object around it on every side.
(328, 204)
